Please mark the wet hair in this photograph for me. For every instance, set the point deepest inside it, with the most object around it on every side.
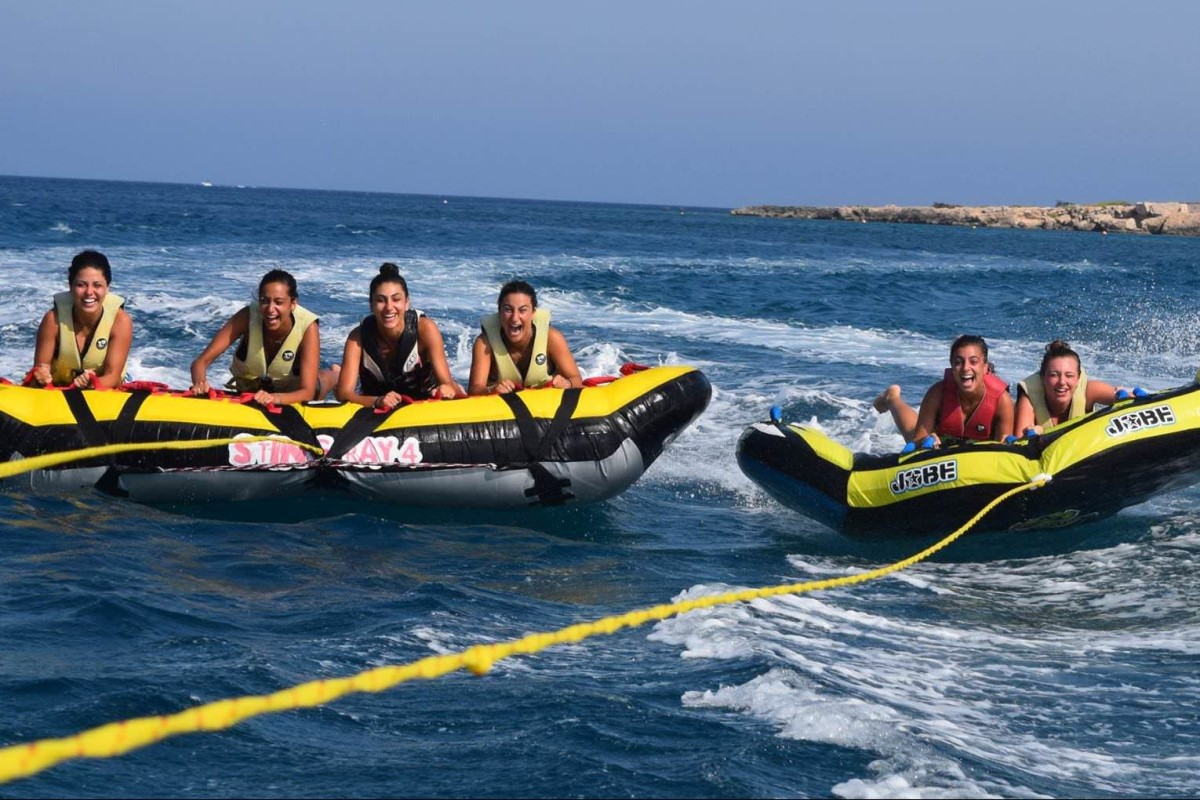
(1058, 349)
(279, 276)
(517, 287)
(388, 273)
(966, 340)
(89, 258)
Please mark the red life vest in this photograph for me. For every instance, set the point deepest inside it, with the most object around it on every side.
(979, 426)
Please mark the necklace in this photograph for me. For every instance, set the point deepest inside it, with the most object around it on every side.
(275, 341)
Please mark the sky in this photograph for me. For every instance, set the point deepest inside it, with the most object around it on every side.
(699, 103)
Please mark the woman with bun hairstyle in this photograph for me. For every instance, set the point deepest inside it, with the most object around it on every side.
(84, 339)
(1060, 390)
(395, 352)
(278, 355)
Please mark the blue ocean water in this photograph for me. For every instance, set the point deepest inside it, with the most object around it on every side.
(1064, 674)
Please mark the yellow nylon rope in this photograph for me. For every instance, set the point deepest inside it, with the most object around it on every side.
(118, 738)
(10, 468)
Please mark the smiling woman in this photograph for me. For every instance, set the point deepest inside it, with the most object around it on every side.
(84, 339)
(1060, 390)
(970, 402)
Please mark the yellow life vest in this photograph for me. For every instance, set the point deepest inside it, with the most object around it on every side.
(1036, 392)
(67, 361)
(250, 373)
(539, 362)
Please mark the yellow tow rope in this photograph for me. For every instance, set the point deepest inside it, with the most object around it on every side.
(11, 468)
(118, 738)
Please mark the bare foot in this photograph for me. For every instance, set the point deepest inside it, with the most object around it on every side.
(887, 398)
(327, 380)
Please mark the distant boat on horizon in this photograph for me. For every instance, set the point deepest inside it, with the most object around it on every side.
(206, 183)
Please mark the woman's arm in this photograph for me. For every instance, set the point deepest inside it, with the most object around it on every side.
(43, 350)
(481, 371)
(347, 385)
(566, 370)
(1100, 392)
(432, 349)
(927, 415)
(1002, 422)
(233, 329)
(1024, 417)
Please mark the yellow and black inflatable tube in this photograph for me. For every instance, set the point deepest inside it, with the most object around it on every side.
(542, 441)
(1098, 464)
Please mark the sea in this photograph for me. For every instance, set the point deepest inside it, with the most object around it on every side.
(984, 673)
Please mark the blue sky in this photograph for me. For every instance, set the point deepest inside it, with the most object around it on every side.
(699, 103)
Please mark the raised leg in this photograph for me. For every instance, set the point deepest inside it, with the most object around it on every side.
(904, 415)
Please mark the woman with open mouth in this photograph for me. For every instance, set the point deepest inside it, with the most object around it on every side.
(518, 349)
(970, 402)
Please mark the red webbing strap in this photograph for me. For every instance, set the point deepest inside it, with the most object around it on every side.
(405, 400)
(627, 368)
(153, 387)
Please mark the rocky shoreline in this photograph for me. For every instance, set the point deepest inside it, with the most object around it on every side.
(1167, 218)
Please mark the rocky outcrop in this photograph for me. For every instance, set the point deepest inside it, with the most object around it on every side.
(1176, 219)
